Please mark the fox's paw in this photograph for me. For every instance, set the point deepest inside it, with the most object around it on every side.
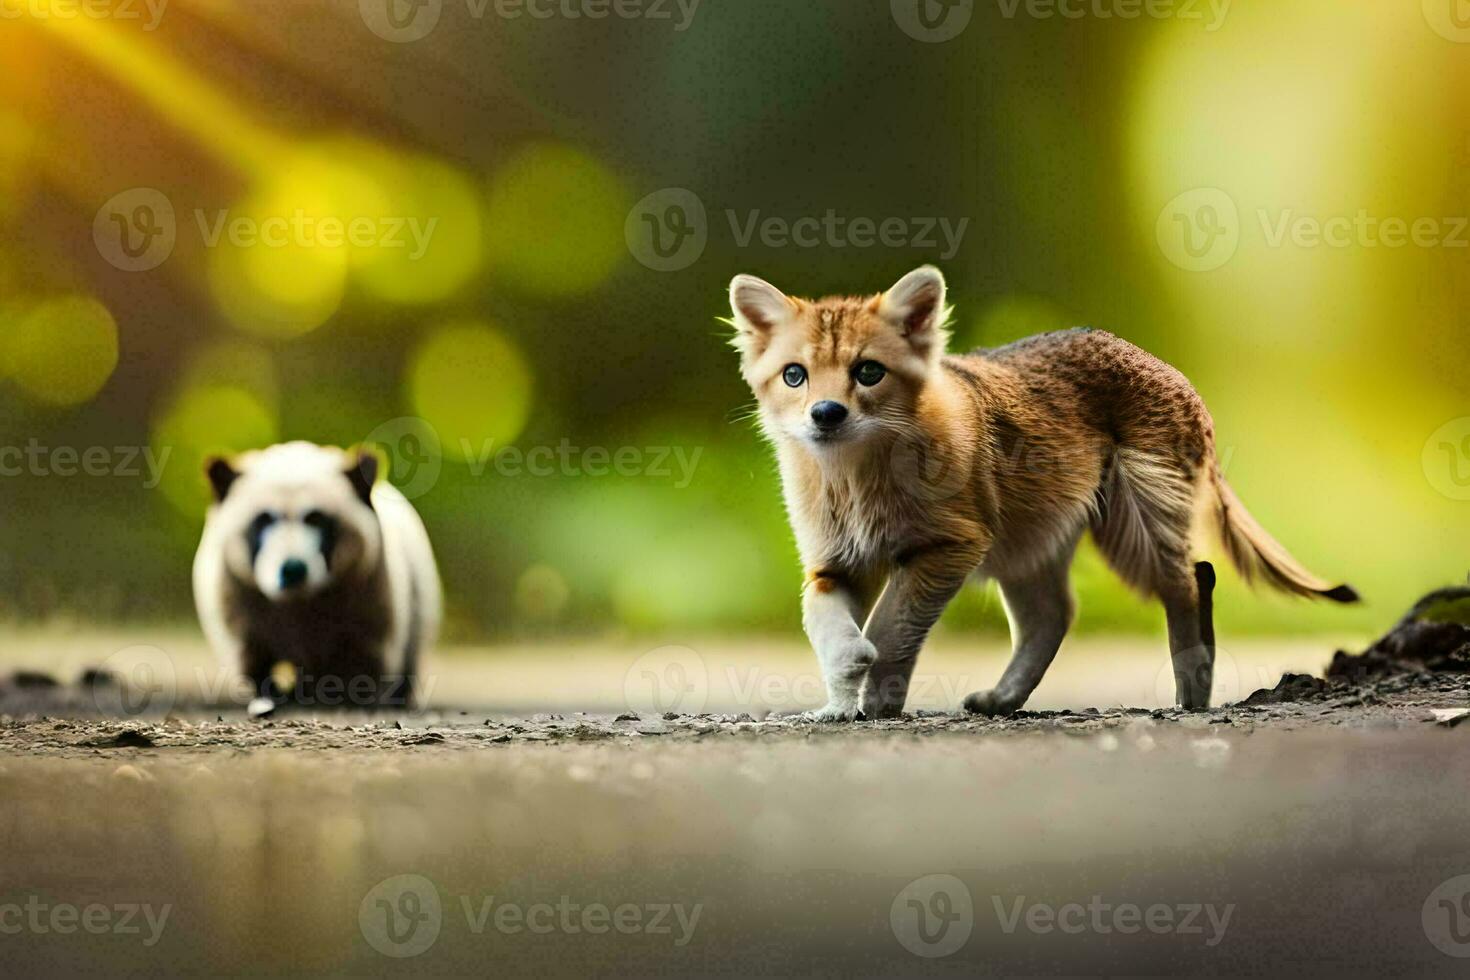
(832, 713)
(991, 705)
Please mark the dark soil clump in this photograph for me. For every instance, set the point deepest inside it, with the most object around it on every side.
(1433, 638)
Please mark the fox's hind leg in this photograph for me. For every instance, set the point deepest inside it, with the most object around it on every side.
(1040, 608)
(1189, 608)
(1147, 508)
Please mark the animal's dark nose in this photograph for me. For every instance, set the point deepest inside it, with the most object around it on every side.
(828, 415)
(293, 573)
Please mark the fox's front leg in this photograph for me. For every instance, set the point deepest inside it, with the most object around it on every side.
(833, 604)
(921, 586)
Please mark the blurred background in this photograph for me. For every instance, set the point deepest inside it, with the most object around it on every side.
(494, 239)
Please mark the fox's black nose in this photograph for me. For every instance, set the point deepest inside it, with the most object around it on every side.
(828, 415)
(293, 573)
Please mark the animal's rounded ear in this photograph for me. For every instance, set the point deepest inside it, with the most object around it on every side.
(759, 309)
(916, 306)
(222, 475)
(363, 473)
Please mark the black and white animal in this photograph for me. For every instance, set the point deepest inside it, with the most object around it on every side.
(309, 560)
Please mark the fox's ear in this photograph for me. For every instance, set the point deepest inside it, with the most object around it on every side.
(916, 306)
(222, 475)
(759, 309)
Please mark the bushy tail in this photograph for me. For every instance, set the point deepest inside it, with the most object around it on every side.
(1258, 555)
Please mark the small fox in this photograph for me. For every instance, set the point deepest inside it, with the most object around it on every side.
(906, 470)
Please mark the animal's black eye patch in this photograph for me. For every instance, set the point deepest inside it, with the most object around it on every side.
(326, 528)
(255, 533)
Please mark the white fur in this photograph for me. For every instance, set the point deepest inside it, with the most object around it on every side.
(301, 474)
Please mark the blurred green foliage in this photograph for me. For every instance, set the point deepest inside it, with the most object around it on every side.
(529, 322)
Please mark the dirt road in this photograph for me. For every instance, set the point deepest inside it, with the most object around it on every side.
(1326, 835)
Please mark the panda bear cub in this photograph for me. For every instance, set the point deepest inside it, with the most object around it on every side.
(308, 560)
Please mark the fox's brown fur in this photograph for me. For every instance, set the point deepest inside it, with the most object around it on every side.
(993, 462)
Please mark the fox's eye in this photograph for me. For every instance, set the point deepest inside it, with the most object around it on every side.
(794, 375)
(869, 373)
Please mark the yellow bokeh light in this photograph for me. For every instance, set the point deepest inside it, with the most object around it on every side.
(236, 363)
(471, 383)
(63, 350)
(406, 229)
(233, 277)
(430, 241)
(555, 221)
(655, 589)
(541, 593)
(205, 419)
(279, 260)
(1256, 128)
